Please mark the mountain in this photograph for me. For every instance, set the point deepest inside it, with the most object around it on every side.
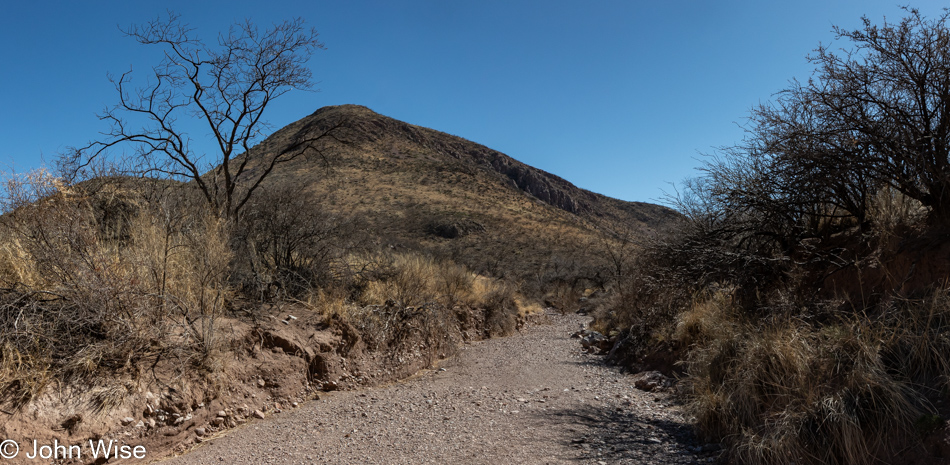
(423, 189)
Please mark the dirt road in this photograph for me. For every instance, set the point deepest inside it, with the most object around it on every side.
(534, 398)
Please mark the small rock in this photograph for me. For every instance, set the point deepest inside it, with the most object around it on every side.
(200, 431)
(650, 381)
(127, 421)
(258, 414)
(218, 421)
(261, 383)
(140, 424)
(222, 414)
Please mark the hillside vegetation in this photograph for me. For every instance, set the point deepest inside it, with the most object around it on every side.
(421, 189)
(371, 259)
(805, 298)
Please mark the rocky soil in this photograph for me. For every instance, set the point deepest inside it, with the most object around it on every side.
(534, 398)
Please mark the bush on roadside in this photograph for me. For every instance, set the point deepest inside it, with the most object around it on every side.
(101, 280)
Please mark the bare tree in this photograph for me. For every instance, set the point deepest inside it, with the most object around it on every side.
(225, 89)
(873, 116)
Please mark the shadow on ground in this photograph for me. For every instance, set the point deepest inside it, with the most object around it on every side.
(643, 430)
(623, 436)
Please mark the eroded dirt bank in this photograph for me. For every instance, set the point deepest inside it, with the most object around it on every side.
(532, 398)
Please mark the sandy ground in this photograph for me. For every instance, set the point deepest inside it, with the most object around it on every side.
(534, 398)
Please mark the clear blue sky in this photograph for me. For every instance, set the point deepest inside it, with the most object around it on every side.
(619, 97)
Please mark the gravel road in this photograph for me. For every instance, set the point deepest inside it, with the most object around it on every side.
(534, 398)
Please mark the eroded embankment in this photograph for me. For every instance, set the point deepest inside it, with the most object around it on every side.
(268, 361)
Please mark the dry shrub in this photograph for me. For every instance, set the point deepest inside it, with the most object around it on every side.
(564, 296)
(91, 298)
(643, 308)
(787, 391)
(501, 310)
(429, 330)
(915, 334)
(182, 258)
(711, 316)
(290, 242)
(455, 284)
(329, 301)
(406, 279)
(23, 374)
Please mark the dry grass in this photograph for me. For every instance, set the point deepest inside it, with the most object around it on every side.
(86, 294)
(412, 279)
(787, 391)
(890, 210)
(97, 280)
(407, 301)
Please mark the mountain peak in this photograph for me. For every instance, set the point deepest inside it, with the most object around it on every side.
(348, 109)
(413, 184)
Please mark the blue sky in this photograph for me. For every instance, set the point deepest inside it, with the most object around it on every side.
(618, 97)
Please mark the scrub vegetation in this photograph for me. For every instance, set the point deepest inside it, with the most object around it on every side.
(804, 299)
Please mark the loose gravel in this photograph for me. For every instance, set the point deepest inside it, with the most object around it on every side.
(534, 398)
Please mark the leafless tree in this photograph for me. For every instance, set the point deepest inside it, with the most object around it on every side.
(225, 89)
(874, 115)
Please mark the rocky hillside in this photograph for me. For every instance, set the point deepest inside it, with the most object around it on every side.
(424, 189)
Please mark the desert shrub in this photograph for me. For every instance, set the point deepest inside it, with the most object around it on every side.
(807, 282)
(183, 258)
(454, 284)
(501, 310)
(405, 279)
(890, 210)
(409, 301)
(563, 296)
(430, 330)
(286, 242)
(80, 297)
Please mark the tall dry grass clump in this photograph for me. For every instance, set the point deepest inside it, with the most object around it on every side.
(890, 210)
(413, 279)
(409, 302)
(182, 259)
(854, 391)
